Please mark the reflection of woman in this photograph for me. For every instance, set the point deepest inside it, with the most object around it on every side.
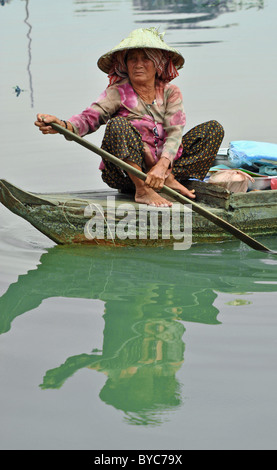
(145, 120)
(140, 358)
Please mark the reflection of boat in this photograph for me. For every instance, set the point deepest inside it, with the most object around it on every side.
(182, 283)
(148, 296)
(65, 217)
(134, 278)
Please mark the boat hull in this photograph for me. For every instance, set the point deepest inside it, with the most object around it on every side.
(75, 217)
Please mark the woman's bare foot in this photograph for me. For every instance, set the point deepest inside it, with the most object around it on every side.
(172, 183)
(146, 195)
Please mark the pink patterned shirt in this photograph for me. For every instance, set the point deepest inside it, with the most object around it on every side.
(160, 124)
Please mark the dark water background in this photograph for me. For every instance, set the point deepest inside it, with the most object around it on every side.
(134, 348)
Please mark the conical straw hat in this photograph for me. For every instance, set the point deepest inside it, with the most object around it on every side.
(139, 39)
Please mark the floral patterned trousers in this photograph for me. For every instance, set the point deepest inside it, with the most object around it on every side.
(122, 139)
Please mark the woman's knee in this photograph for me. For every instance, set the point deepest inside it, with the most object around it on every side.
(120, 128)
(217, 128)
(123, 140)
(115, 132)
(117, 124)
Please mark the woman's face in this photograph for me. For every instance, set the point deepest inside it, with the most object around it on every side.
(141, 70)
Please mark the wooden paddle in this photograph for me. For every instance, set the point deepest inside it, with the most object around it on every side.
(170, 192)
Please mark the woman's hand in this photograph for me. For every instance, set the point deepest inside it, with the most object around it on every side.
(157, 174)
(44, 119)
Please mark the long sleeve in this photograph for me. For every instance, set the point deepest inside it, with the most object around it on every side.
(98, 113)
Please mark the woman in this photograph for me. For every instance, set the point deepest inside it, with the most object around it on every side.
(145, 120)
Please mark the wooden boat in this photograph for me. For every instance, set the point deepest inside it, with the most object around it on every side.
(65, 217)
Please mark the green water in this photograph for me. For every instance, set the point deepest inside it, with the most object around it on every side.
(132, 348)
(137, 369)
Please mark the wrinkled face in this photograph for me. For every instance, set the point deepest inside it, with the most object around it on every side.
(141, 69)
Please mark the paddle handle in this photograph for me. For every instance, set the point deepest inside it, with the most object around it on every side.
(170, 192)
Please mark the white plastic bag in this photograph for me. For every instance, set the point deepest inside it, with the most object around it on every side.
(235, 181)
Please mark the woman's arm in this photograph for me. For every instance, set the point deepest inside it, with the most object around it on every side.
(98, 113)
(87, 121)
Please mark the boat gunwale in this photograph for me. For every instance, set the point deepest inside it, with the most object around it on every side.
(210, 195)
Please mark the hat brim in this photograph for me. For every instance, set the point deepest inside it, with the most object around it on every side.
(141, 39)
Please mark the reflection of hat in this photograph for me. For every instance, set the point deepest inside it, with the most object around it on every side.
(148, 38)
